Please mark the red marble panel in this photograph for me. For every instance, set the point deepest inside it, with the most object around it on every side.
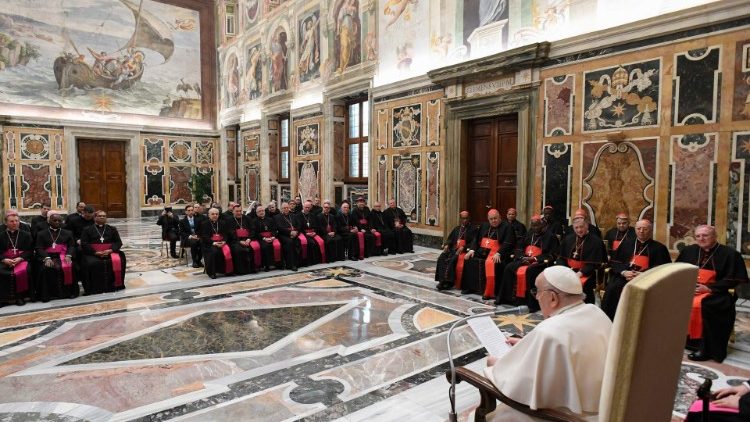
(382, 187)
(382, 129)
(339, 168)
(434, 115)
(35, 185)
(693, 160)
(252, 184)
(231, 159)
(619, 177)
(558, 105)
(179, 184)
(432, 210)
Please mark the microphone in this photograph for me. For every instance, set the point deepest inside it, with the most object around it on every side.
(452, 416)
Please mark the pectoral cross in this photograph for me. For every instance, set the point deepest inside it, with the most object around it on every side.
(575, 255)
(101, 239)
(487, 242)
(15, 251)
(54, 245)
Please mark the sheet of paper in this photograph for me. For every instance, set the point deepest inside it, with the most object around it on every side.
(491, 337)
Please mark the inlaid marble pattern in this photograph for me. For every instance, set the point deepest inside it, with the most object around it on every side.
(692, 165)
(559, 97)
(741, 91)
(557, 170)
(432, 207)
(619, 177)
(407, 184)
(696, 80)
(738, 231)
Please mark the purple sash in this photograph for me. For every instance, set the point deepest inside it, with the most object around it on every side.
(116, 261)
(66, 267)
(276, 247)
(20, 271)
(228, 263)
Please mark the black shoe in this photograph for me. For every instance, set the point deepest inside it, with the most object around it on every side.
(195, 265)
(212, 276)
(20, 302)
(465, 292)
(174, 256)
(487, 297)
(442, 286)
(699, 356)
(200, 264)
(266, 268)
(294, 268)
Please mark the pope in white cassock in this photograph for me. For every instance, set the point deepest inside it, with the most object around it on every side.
(560, 363)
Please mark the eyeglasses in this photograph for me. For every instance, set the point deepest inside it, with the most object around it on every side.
(534, 291)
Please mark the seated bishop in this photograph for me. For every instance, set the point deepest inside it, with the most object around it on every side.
(312, 245)
(633, 256)
(217, 238)
(487, 257)
(246, 254)
(450, 263)
(536, 251)
(17, 250)
(328, 231)
(584, 253)
(618, 234)
(404, 236)
(102, 262)
(55, 251)
(369, 242)
(265, 234)
(382, 227)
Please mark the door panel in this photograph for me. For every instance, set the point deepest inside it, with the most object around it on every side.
(103, 175)
(492, 164)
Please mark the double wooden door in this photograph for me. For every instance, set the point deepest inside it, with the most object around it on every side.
(492, 165)
(103, 175)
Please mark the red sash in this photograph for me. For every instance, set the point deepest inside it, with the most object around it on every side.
(576, 265)
(116, 261)
(616, 244)
(695, 327)
(697, 406)
(459, 263)
(20, 271)
(489, 265)
(530, 251)
(361, 239)
(641, 261)
(276, 246)
(228, 263)
(242, 233)
(378, 240)
(255, 246)
(66, 267)
(321, 244)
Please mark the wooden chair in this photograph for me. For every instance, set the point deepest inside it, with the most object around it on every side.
(644, 354)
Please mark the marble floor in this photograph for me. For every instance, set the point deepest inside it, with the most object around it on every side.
(350, 341)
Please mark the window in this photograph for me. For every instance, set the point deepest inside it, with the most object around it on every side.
(231, 19)
(357, 146)
(284, 158)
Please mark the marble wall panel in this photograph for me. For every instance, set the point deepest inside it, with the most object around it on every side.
(434, 116)
(355, 191)
(741, 91)
(273, 154)
(407, 184)
(696, 81)
(251, 146)
(738, 211)
(231, 155)
(35, 185)
(382, 127)
(432, 208)
(557, 171)
(382, 193)
(252, 183)
(619, 177)
(692, 163)
(308, 139)
(559, 98)
(339, 166)
(179, 184)
(285, 193)
(34, 170)
(407, 126)
(620, 97)
(308, 184)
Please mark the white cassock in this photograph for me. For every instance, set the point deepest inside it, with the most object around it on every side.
(558, 365)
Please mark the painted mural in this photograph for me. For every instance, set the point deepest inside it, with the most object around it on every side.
(253, 72)
(308, 138)
(484, 23)
(403, 35)
(278, 72)
(231, 89)
(120, 56)
(250, 13)
(348, 34)
(407, 122)
(308, 63)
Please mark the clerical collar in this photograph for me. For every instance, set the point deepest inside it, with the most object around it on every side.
(566, 308)
(712, 248)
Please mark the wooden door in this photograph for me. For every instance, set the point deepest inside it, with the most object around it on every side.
(492, 164)
(103, 175)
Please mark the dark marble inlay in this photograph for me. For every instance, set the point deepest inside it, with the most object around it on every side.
(181, 294)
(556, 173)
(424, 266)
(311, 391)
(739, 180)
(38, 417)
(214, 332)
(696, 87)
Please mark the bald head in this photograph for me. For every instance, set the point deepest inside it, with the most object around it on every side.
(493, 217)
(643, 230)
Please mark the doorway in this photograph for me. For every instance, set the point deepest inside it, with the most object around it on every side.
(102, 175)
(492, 165)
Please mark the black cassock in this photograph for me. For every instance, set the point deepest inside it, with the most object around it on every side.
(588, 256)
(615, 237)
(310, 249)
(384, 226)
(265, 228)
(477, 278)
(346, 224)
(404, 237)
(362, 221)
(59, 280)
(16, 283)
(549, 246)
(290, 247)
(717, 308)
(243, 257)
(102, 274)
(647, 255)
(446, 273)
(217, 260)
(519, 229)
(717, 416)
(327, 223)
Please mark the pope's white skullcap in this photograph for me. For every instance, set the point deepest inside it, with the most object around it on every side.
(563, 279)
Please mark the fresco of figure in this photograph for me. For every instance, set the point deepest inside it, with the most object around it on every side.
(309, 59)
(278, 61)
(348, 29)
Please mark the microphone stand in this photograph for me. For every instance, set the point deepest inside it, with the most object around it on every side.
(452, 416)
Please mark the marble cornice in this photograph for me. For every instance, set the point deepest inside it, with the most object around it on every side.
(352, 82)
(401, 86)
(104, 127)
(501, 63)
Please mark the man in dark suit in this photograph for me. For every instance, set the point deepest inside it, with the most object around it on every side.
(189, 226)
